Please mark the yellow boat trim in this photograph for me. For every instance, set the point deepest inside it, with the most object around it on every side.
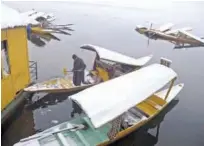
(152, 103)
(149, 106)
(157, 100)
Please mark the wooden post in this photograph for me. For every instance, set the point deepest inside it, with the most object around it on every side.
(171, 85)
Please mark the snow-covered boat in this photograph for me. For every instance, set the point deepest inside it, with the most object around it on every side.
(66, 84)
(113, 109)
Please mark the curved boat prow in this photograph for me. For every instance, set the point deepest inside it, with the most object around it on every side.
(144, 60)
(117, 57)
(173, 92)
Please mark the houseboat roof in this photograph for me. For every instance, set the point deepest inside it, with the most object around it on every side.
(106, 101)
(114, 56)
(10, 17)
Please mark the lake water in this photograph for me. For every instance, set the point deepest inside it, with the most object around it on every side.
(113, 27)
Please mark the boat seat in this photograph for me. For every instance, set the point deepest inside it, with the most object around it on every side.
(157, 100)
(138, 112)
(154, 104)
(147, 108)
(133, 116)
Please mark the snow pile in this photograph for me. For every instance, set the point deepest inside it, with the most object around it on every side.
(29, 17)
(35, 17)
(10, 17)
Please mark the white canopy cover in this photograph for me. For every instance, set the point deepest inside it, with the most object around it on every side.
(104, 102)
(116, 57)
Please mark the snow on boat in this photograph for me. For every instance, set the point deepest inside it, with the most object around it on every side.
(116, 57)
(40, 24)
(109, 115)
(34, 17)
(66, 85)
(110, 64)
(57, 85)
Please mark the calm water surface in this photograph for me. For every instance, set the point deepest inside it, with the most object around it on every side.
(113, 28)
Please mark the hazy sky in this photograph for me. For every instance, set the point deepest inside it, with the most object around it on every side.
(150, 4)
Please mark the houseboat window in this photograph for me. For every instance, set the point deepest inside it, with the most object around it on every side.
(5, 59)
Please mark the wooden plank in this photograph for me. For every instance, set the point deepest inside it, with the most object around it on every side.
(153, 104)
(148, 109)
(157, 100)
(66, 83)
(72, 89)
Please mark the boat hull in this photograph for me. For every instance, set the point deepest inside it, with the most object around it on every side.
(174, 91)
(92, 136)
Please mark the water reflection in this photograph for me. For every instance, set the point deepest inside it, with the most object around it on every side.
(40, 100)
(142, 137)
(188, 47)
(13, 127)
(40, 40)
(139, 137)
(43, 34)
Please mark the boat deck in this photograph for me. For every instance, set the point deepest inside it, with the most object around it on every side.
(89, 136)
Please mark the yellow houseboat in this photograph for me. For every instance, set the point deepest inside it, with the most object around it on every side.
(15, 71)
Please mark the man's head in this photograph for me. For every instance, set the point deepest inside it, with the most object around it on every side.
(74, 56)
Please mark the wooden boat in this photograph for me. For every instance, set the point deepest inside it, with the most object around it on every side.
(143, 136)
(113, 109)
(116, 57)
(57, 84)
(108, 59)
(40, 27)
(40, 30)
(40, 40)
(65, 84)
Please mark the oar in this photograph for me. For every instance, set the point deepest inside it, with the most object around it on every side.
(64, 24)
(67, 28)
(65, 71)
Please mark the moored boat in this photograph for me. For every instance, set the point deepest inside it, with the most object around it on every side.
(58, 84)
(110, 64)
(103, 63)
(113, 109)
